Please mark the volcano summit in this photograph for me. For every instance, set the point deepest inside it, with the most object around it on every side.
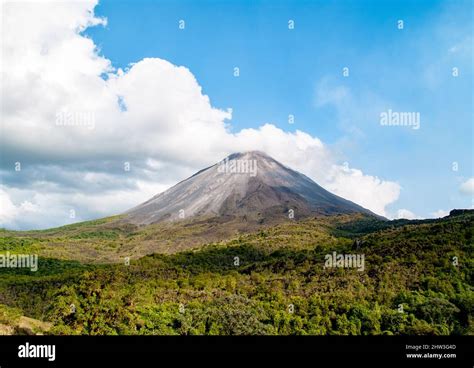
(251, 186)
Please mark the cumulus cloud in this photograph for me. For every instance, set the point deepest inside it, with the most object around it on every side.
(8, 211)
(467, 187)
(55, 208)
(440, 213)
(370, 190)
(100, 140)
(405, 214)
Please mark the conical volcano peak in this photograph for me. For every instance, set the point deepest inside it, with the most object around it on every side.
(245, 163)
(256, 155)
(243, 185)
(250, 162)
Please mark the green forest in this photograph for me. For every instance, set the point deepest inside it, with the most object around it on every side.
(417, 280)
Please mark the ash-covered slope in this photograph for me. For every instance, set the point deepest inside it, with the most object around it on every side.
(249, 185)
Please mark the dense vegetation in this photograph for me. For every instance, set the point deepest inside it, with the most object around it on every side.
(418, 279)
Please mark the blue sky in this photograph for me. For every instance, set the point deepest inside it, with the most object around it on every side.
(159, 97)
(280, 71)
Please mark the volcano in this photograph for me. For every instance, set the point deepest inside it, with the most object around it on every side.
(251, 186)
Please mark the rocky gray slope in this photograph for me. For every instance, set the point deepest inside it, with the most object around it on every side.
(249, 185)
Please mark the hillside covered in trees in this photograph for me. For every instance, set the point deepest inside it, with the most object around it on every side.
(417, 279)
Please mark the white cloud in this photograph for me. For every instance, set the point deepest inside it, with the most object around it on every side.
(406, 214)
(51, 209)
(164, 126)
(440, 213)
(8, 211)
(467, 187)
(374, 193)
